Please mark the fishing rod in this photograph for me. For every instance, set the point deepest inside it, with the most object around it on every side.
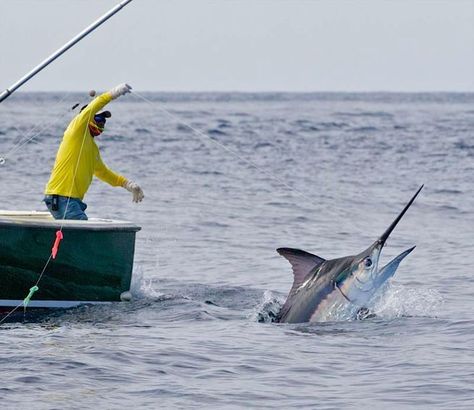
(10, 90)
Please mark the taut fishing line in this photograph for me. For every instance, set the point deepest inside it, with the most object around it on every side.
(234, 153)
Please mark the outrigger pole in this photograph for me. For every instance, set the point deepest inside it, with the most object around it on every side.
(9, 91)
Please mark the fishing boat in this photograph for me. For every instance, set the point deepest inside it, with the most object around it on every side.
(48, 263)
(94, 264)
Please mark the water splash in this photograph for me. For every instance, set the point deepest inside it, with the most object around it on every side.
(141, 287)
(394, 302)
(268, 308)
(398, 301)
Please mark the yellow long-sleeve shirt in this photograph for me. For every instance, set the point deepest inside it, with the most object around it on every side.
(62, 181)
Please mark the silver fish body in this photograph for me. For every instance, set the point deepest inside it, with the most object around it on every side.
(337, 289)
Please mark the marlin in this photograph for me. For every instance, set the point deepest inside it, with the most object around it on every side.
(341, 288)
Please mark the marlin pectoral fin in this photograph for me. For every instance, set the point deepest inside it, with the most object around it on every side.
(390, 268)
(302, 262)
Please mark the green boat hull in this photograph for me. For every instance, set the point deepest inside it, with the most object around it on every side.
(94, 262)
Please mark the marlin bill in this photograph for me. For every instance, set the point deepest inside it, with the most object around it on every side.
(341, 288)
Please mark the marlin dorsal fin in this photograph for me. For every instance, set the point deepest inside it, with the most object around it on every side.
(302, 262)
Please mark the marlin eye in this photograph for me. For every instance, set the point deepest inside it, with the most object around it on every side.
(368, 262)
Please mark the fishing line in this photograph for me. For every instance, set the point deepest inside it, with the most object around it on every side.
(45, 126)
(10, 313)
(225, 147)
(29, 295)
(234, 153)
(6, 93)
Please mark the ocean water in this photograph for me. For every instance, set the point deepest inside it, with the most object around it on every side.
(322, 172)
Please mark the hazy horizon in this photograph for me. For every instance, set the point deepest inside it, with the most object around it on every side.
(261, 91)
(242, 46)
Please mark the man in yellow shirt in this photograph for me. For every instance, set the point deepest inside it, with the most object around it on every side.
(78, 160)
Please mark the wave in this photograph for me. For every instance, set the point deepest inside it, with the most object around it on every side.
(464, 146)
(216, 132)
(376, 114)
(365, 129)
(142, 131)
(262, 145)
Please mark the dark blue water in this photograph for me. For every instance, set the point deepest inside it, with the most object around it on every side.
(207, 278)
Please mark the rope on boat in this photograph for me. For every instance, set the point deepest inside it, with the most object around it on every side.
(33, 289)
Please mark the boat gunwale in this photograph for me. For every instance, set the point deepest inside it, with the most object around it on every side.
(43, 220)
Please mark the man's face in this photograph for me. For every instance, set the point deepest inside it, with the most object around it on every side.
(96, 128)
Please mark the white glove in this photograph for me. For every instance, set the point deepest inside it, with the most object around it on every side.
(135, 189)
(119, 90)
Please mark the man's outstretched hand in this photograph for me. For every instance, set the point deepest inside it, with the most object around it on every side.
(119, 90)
(135, 189)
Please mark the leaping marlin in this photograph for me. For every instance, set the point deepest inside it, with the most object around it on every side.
(339, 288)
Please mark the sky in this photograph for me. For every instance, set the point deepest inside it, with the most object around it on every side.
(243, 45)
